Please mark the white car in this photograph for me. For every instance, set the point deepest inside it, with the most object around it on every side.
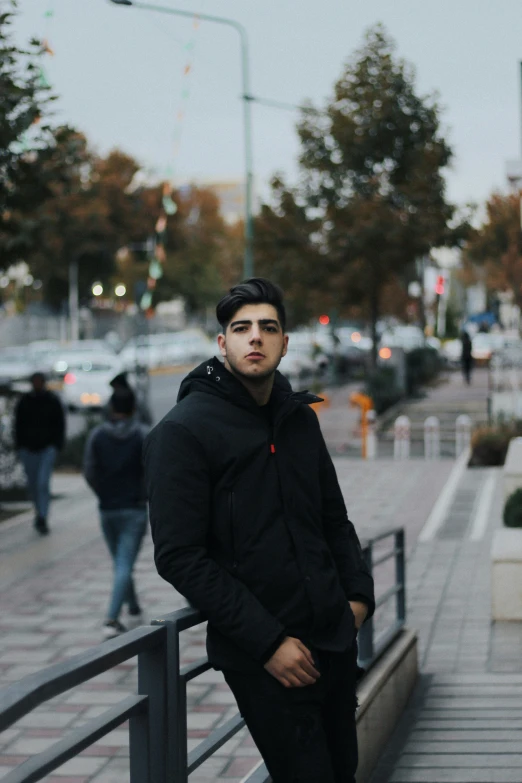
(16, 363)
(296, 362)
(407, 337)
(167, 349)
(483, 345)
(86, 384)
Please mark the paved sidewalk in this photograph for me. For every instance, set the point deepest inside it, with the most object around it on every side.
(56, 592)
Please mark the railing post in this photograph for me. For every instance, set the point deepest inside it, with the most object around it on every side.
(149, 739)
(176, 730)
(400, 574)
(365, 639)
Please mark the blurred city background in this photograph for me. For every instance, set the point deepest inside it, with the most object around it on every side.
(366, 159)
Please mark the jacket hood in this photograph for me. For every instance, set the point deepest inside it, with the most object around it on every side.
(212, 377)
(121, 428)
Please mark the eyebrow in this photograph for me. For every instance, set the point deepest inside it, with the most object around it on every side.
(262, 321)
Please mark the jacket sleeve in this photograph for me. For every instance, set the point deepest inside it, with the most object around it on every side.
(18, 429)
(180, 495)
(341, 537)
(59, 423)
(90, 467)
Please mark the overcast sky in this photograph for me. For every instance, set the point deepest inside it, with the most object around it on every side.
(119, 74)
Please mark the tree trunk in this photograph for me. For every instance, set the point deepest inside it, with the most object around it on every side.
(374, 313)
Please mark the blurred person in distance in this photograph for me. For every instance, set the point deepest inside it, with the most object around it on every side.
(39, 434)
(142, 412)
(114, 471)
(466, 356)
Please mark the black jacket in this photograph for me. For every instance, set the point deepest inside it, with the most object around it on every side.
(249, 522)
(112, 464)
(39, 421)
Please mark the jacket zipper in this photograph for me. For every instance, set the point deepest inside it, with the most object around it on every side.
(231, 510)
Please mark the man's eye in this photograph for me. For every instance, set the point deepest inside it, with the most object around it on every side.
(240, 329)
(271, 329)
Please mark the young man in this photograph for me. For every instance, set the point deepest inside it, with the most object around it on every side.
(39, 435)
(249, 524)
(114, 471)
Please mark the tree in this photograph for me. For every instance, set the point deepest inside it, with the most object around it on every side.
(495, 248)
(373, 164)
(27, 141)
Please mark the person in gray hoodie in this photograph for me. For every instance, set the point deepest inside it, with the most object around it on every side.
(114, 471)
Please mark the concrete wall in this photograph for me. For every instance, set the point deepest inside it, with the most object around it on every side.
(383, 695)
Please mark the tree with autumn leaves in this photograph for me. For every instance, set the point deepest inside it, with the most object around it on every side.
(493, 253)
(372, 199)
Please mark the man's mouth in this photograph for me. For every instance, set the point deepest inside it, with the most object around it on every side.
(256, 355)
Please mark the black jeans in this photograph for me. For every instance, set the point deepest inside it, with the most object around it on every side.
(305, 735)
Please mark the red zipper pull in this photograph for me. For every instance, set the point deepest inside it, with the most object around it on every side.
(272, 448)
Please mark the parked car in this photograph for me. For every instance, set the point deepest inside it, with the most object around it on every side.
(167, 348)
(407, 337)
(15, 363)
(484, 344)
(86, 384)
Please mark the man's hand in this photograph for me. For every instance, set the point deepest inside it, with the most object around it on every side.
(292, 664)
(360, 611)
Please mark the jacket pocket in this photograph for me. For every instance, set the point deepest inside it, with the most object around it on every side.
(232, 524)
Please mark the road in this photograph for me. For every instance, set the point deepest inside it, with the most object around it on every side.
(163, 393)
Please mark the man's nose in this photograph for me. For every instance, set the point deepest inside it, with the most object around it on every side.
(255, 335)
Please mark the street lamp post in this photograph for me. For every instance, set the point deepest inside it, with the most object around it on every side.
(248, 263)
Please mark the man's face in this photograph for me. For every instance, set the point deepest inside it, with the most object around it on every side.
(253, 343)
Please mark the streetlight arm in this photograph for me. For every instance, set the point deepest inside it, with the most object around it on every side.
(248, 269)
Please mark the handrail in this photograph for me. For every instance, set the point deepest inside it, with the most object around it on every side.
(21, 697)
(158, 714)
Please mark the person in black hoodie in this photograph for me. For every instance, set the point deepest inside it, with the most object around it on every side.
(113, 469)
(39, 434)
(249, 524)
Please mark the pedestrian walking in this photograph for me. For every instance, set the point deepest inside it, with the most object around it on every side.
(114, 471)
(250, 525)
(39, 434)
(143, 412)
(466, 356)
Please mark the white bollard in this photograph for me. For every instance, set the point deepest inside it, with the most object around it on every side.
(431, 438)
(462, 434)
(371, 437)
(496, 372)
(401, 443)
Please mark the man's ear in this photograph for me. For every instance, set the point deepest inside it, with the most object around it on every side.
(285, 345)
(222, 343)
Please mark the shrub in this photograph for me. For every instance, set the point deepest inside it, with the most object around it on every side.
(381, 386)
(422, 366)
(489, 445)
(513, 509)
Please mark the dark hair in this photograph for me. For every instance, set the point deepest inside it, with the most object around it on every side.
(256, 290)
(123, 401)
(38, 376)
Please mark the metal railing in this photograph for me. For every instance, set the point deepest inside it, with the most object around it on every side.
(157, 714)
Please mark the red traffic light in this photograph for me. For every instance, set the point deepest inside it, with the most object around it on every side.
(439, 286)
(324, 320)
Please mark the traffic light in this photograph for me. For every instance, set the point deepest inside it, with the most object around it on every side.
(439, 286)
(324, 320)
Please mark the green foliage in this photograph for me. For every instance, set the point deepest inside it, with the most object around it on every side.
(381, 386)
(422, 366)
(373, 196)
(513, 509)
